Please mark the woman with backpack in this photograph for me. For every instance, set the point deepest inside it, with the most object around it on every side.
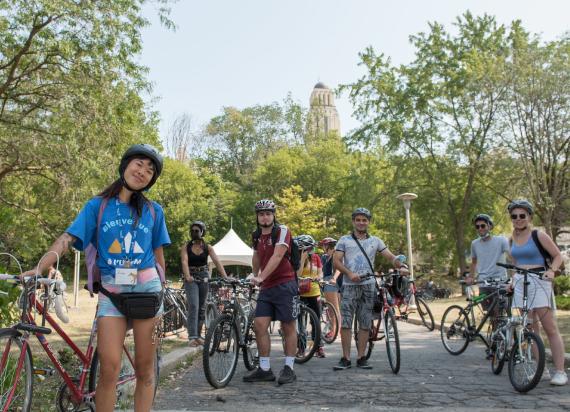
(194, 256)
(128, 233)
(525, 252)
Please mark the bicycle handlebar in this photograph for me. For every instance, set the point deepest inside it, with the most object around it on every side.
(508, 266)
(59, 288)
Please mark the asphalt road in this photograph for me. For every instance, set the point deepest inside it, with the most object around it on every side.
(429, 378)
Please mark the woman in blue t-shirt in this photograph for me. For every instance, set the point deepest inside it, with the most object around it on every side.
(129, 245)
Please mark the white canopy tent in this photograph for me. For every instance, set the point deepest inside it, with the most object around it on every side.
(231, 250)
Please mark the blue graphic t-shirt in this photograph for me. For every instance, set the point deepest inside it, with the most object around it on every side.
(117, 237)
(355, 260)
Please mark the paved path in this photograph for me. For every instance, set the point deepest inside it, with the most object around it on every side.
(429, 377)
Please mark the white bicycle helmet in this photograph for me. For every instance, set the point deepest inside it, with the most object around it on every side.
(305, 242)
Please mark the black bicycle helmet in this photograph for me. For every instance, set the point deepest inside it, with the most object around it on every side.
(523, 204)
(145, 150)
(485, 218)
(361, 211)
(305, 242)
(148, 151)
(265, 204)
(400, 286)
(202, 226)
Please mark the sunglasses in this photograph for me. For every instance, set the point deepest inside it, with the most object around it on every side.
(521, 216)
(483, 226)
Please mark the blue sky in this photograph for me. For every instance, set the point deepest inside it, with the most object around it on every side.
(242, 53)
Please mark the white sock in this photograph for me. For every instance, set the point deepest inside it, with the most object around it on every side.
(289, 361)
(264, 363)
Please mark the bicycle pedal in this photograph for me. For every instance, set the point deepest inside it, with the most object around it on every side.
(45, 372)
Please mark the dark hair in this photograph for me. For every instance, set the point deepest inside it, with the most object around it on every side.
(137, 198)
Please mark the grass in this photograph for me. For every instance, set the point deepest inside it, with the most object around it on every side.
(79, 330)
(439, 306)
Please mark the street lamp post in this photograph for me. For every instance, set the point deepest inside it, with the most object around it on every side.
(407, 197)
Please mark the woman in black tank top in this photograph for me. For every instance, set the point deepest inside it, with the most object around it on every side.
(194, 255)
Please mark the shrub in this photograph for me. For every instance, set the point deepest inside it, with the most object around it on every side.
(563, 302)
(561, 285)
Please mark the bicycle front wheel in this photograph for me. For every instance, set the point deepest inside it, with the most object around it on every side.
(221, 351)
(211, 314)
(328, 317)
(308, 334)
(392, 340)
(525, 370)
(126, 390)
(425, 313)
(455, 330)
(11, 350)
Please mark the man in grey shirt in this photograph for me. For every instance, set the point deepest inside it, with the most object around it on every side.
(486, 252)
(357, 293)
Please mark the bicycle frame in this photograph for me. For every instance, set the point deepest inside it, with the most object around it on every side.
(78, 394)
(398, 302)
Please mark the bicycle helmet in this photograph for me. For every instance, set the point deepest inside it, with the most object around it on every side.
(523, 204)
(361, 211)
(145, 150)
(328, 241)
(201, 225)
(485, 218)
(305, 242)
(400, 286)
(265, 204)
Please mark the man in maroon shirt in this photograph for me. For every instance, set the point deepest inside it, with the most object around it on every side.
(279, 295)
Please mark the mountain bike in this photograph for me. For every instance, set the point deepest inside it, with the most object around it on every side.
(17, 363)
(513, 340)
(328, 314)
(387, 320)
(459, 326)
(231, 331)
(403, 306)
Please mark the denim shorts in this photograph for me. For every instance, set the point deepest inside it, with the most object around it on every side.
(330, 288)
(279, 302)
(148, 281)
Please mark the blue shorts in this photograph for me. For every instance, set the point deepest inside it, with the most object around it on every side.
(330, 288)
(279, 302)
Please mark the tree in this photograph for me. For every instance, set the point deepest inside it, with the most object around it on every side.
(183, 138)
(69, 95)
(302, 217)
(536, 123)
(440, 109)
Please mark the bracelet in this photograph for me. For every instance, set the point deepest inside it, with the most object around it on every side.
(403, 266)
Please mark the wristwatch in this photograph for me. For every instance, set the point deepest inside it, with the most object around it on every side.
(403, 266)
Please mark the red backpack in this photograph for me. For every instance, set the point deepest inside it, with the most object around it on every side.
(92, 252)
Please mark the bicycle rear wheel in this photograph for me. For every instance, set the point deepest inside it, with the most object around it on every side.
(425, 313)
(221, 351)
(211, 314)
(308, 334)
(327, 316)
(455, 330)
(525, 370)
(368, 350)
(250, 352)
(392, 340)
(125, 391)
(169, 314)
(11, 347)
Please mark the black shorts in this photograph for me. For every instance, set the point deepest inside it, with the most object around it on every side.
(279, 302)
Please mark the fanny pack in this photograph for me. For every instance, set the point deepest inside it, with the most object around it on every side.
(135, 305)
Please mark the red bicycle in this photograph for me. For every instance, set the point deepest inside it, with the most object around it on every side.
(386, 320)
(404, 308)
(77, 391)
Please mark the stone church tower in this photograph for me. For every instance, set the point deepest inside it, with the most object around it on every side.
(323, 114)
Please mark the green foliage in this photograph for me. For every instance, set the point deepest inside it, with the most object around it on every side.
(563, 302)
(561, 285)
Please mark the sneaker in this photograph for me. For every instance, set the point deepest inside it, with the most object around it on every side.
(343, 364)
(545, 375)
(260, 376)
(320, 353)
(287, 375)
(363, 363)
(559, 378)
(300, 353)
